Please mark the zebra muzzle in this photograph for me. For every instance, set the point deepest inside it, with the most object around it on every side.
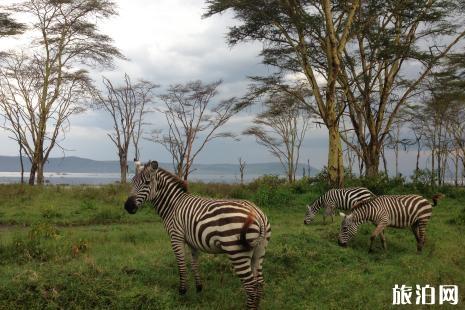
(343, 244)
(130, 205)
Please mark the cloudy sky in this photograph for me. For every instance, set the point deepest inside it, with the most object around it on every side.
(167, 41)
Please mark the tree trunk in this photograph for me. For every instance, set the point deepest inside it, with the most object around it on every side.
(21, 162)
(385, 162)
(433, 172)
(371, 160)
(40, 173)
(335, 160)
(124, 170)
(32, 174)
(417, 164)
(456, 164)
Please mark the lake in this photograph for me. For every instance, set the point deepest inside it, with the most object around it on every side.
(108, 178)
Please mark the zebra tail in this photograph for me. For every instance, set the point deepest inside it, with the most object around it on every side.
(243, 235)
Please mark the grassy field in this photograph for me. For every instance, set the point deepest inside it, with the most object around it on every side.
(76, 247)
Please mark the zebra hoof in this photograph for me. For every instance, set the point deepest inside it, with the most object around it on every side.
(370, 251)
(182, 291)
(199, 288)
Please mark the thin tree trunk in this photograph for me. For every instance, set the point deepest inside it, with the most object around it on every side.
(384, 162)
(417, 164)
(21, 162)
(335, 160)
(456, 164)
(32, 173)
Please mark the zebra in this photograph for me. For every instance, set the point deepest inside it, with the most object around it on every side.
(339, 198)
(235, 227)
(399, 211)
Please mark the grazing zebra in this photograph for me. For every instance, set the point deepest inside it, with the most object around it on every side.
(338, 198)
(234, 227)
(391, 210)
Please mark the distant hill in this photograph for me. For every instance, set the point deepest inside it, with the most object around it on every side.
(74, 164)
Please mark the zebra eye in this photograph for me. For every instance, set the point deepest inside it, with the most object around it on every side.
(147, 182)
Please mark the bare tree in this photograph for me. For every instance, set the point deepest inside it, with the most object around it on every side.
(126, 104)
(42, 84)
(281, 130)
(242, 165)
(193, 120)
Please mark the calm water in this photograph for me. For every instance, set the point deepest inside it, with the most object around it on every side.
(108, 178)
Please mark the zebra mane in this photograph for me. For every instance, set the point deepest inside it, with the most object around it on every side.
(182, 185)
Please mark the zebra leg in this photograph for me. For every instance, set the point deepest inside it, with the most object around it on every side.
(178, 246)
(243, 268)
(195, 269)
(257, 261)
(383, 240)
(421, 235)
(379, 228)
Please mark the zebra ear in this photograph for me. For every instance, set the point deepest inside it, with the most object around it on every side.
(342, 214)
(154, 165)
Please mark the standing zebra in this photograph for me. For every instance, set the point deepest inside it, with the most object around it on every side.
(391, 210)
(339, 198)
(234, 227)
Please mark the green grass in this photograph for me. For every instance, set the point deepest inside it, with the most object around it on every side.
(75, 247)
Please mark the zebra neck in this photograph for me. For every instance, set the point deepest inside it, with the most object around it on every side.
(166, 202)
(362, 214)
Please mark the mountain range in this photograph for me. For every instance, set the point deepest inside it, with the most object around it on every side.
(74, 164)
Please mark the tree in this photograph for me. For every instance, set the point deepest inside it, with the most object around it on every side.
(44, 84)
(390, 38)
(306, 37)
(281, 130)
(242, 165)
(126, 104)
(193, 121)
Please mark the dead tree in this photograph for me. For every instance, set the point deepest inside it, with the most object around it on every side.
(281, 130)
(242, 165)
(193, 120)
(126, 104)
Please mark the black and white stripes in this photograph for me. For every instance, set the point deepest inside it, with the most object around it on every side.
(341, 198)
(234, 227)
(388, 211)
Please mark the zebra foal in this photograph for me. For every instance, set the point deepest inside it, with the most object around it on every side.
(388, 211)
(338, 198)
(234, 227)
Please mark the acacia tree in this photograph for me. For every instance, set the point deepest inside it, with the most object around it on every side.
(391, 37)
(9, 26)
(281, 130)
(301, 36)
(126, 104)
(193, 120)
(43, 84)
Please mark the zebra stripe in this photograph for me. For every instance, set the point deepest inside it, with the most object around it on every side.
(388, 211)
(338, 198)
(234, 227)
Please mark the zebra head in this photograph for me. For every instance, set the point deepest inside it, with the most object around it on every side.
(348, 229)
(312, 210)
(141, 187)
